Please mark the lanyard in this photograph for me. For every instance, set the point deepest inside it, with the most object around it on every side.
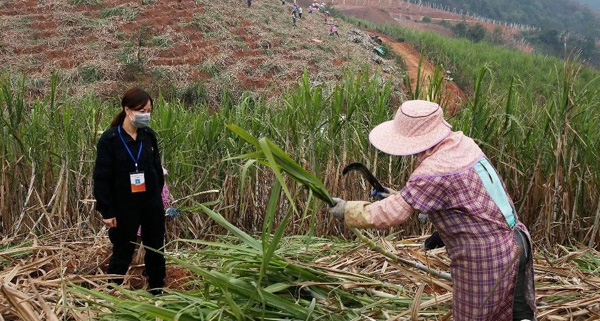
(135, 160)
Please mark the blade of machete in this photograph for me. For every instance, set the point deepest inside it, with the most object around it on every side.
(366, 174)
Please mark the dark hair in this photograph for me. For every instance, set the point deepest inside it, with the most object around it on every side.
(135, 99)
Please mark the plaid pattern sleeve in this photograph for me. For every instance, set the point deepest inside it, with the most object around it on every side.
(426, 195)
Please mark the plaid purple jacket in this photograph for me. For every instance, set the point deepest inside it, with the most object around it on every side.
(478, 240)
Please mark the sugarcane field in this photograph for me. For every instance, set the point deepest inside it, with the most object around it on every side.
(299, 160)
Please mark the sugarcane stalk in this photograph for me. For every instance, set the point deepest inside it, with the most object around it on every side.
(375, 247)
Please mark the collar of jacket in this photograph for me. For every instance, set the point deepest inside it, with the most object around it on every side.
(142, 133)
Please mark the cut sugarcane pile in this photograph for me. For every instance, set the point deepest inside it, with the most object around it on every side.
(332, 279)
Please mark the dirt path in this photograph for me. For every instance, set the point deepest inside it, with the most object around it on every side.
(452, 94)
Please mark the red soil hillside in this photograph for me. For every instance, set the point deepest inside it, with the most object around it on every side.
(453, 96)
(109, 45)
(411, 16)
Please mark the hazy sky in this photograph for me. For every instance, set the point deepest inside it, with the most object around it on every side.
(592, 3)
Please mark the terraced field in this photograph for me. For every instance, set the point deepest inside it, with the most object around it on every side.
(108, 45)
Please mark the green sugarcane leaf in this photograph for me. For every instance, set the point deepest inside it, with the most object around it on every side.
(247, 250)
(243, 134)
(162, 313)
(271, 210)
(99, 295)
(267, 228)
(231, 228)
(305, 178)
(311, 308)
(277, 287)
(292, 168)
(118, 304)
(280, 161)
(268, 254)
(254, 155)
(245, 289)
(236, 311)
(263, 142)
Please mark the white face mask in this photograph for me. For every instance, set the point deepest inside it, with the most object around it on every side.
(140, 120)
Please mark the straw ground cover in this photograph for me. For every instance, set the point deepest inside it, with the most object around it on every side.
(173, 46)
(311, 277)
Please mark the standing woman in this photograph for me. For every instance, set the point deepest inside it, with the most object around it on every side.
(455, 183)
(128, 181)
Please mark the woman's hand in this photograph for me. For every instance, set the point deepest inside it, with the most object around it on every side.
(110, 222)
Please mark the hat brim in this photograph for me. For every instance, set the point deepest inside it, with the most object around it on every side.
(386, 139)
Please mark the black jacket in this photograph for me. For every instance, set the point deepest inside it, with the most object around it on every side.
(112, 186)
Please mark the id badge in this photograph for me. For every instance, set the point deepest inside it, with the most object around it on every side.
(138, 182)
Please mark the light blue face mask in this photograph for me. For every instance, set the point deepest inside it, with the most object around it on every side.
(140, 120)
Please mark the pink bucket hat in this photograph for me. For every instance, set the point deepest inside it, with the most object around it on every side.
(417, 126)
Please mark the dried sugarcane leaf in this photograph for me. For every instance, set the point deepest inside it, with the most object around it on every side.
(414, 310)
(19, 302)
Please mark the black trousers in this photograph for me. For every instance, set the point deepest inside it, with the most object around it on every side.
(521, 310)
(124, 236)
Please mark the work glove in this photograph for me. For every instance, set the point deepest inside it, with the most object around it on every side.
(423, 218)
(338, 208)
(171, 212)
(434, 241)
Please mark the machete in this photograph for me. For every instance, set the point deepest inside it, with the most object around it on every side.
(379, 188)
(432, 242)
(366, 173)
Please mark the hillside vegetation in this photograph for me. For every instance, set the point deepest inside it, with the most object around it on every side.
(198, 51)
(465, 59)
(592, 3)
(548, 14)
(554, 17)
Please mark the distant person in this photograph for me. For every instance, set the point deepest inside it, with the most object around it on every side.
(294, 18)
(295, 9)
(249, 3)
(282, 2)
(300, 12)
(333, 30)
(310, 9)
(128, 182)
(326, 16)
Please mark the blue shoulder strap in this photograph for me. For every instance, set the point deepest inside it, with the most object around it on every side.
(495, 189)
